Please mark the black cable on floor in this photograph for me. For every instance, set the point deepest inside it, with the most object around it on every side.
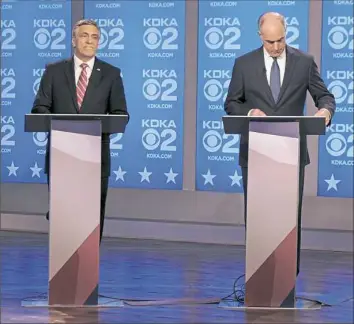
(238, 292)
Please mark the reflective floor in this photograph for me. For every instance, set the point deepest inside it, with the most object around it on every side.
(168, 282)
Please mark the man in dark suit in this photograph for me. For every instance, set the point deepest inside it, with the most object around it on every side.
(83, 84)
(273, 81)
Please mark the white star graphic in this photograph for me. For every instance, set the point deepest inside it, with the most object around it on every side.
(332, 183)
(235, 179)
(12, 169)
(36, 170)
(120, 174)
(145, 175)
(208, 178)
(171, 176)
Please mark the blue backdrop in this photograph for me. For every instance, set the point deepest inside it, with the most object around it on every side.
(224, 34)
(33, 33)
(146, 39)
(336, 149)
(147, 43)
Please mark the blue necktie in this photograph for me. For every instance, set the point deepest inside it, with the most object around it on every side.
(275, 79)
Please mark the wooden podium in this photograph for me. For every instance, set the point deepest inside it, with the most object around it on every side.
(272, 204)
(74, 203)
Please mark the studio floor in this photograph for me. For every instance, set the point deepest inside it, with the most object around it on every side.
(168, 282)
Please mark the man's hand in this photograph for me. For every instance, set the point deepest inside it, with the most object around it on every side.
(256, 112)
(323, 112)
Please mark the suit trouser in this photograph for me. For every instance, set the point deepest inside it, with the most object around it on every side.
(104, 190)
(301, 190)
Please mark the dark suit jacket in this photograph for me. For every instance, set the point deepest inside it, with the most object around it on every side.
(249, 89)
(104, 95)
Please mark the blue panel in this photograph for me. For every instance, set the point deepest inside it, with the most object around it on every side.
(145, 39)
(336, 152)
(33, 33)
(227, 30)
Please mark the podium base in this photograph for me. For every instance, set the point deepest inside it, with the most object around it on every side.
(300, 304)
(103, 302)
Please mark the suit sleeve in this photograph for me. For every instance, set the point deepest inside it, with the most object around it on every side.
(117, 100)
(43, 101)
(235, 103)
(318, 90)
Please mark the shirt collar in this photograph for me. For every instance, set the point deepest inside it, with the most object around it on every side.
(78, 62)
(267, 56)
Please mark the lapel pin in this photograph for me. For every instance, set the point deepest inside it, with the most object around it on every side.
(98, 69)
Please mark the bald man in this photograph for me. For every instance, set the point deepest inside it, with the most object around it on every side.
(273, 80)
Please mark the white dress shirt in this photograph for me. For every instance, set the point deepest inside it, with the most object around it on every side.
(78, 68)
(268, 61)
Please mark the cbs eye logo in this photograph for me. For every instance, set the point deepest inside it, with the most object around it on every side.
(151, 89)
(341, 91)
(153, 139)
(215, 38)
(213, 142)
(43, 38)
(40, 138)
(214, 90)
(339, 37)
(164, 90)
(337, 145)
(112, 38)
(153, 38)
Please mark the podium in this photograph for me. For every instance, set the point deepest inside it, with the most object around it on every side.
(272, 204)
(74, 204)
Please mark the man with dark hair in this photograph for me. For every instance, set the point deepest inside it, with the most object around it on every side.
(83, 84)
(273, 80)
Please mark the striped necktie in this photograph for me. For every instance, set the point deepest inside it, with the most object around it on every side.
(81, 85)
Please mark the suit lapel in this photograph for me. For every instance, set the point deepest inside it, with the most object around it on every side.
(262, 73)
(289, 69)
(94, 81)
(70, 75)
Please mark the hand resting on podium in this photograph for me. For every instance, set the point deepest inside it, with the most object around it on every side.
(256, 112)
(322, 112)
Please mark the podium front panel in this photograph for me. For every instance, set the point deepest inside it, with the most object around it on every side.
(272, 209)
(75, 180)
